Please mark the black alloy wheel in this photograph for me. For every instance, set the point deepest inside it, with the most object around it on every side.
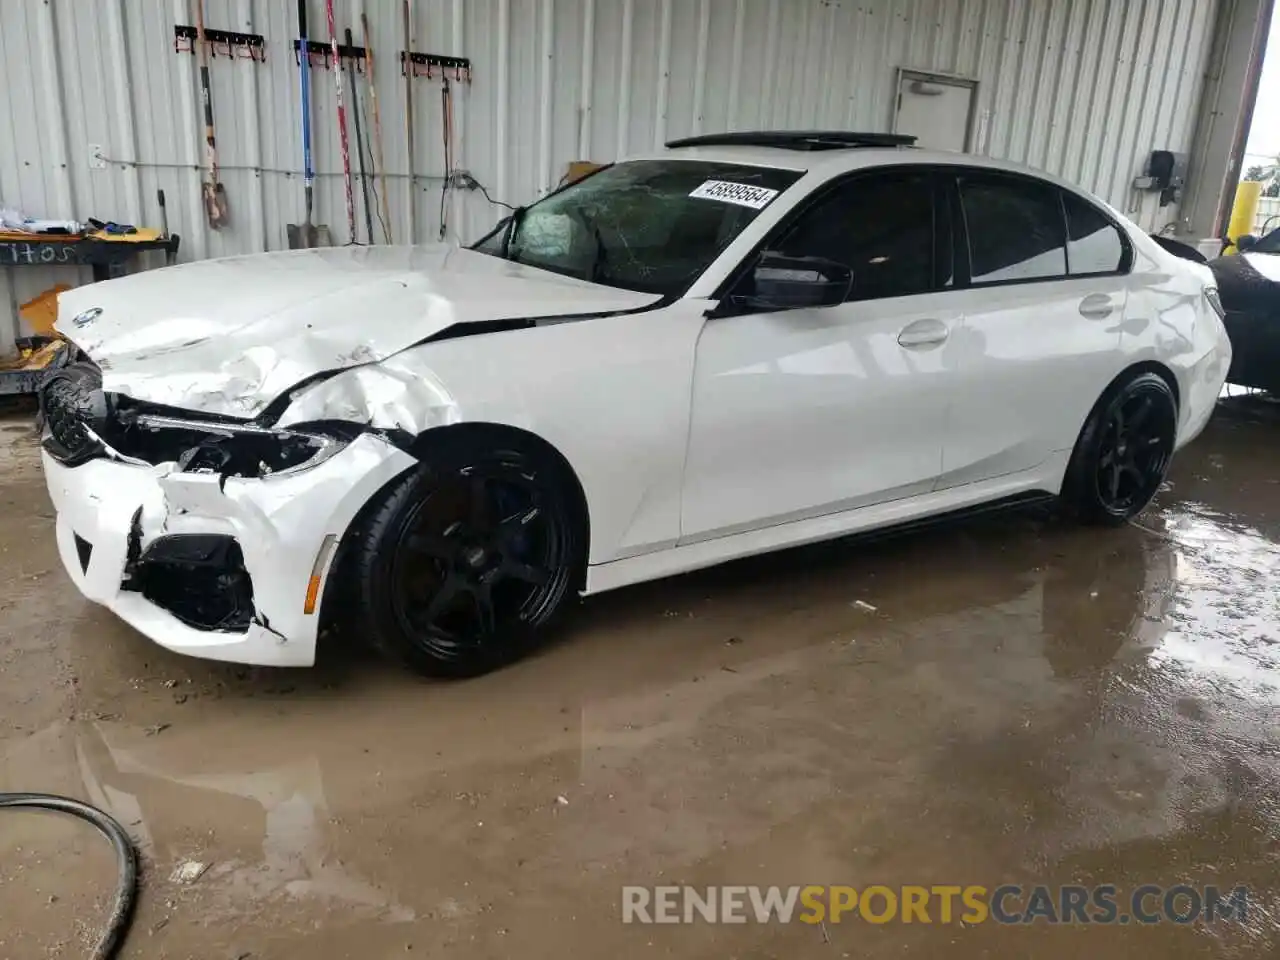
(1123, 453)
(464, 565)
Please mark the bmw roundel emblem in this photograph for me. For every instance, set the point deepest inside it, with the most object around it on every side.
(87, 317)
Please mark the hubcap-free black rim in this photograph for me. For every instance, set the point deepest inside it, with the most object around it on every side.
(1137, 441)
(482, 555)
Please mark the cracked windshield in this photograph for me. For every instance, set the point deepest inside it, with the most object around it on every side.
(648, 225)
(640, 480)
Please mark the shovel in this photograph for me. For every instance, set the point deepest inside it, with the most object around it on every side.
(307, 234)
(212, 190)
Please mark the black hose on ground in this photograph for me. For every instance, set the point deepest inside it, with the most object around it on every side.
(126, 860)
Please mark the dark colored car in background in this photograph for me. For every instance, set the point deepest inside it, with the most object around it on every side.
(1249, 286)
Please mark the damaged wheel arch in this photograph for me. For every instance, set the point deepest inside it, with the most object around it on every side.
(368, 565)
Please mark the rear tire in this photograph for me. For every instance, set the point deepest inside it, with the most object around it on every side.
(465, 564)
(1123, 452)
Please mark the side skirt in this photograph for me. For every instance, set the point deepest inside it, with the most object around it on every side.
(884, 519)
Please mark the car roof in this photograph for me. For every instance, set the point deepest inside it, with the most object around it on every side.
(832, 162)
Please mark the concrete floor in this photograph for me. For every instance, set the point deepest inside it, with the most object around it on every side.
(1028, 702)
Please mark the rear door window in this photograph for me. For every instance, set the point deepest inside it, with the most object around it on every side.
(1094, 245)
(1015, 229)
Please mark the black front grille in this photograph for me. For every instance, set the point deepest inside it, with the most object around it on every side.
(69, 402)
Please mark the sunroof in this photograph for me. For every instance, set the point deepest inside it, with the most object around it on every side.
(796, 139)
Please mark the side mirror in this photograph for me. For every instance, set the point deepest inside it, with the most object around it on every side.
(779, 282)
(1246, 242)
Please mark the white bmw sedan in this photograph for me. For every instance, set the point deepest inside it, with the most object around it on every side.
(747, 342)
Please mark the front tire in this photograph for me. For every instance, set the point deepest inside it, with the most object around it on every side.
(464, 565)
(1123, 452)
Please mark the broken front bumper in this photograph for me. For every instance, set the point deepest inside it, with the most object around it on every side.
(251, 544)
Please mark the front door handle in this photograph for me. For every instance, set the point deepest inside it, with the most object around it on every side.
(923, 333)
(1096, 306)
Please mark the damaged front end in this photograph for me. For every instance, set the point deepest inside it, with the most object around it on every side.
(210, 535)
(85, 422)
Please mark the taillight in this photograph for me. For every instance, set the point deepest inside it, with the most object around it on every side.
(1211, 294)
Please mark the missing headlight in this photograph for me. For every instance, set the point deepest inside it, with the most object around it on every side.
(232, 450)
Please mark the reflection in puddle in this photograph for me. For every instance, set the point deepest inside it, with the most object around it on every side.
(294, 858)
(1225, 620)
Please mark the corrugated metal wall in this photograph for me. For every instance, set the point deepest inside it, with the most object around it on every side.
(1083, 88)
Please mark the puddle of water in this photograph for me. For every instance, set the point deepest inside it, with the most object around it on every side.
(1224, 613)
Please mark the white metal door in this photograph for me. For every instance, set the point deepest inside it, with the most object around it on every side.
(1029, 361)
(1037, 345)
(935, 110)
(806, 412)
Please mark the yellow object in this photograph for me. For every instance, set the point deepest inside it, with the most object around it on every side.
(139, 235)
(40, 312)
(578, 169)
(1244, 212)
(312, 599)
(36, 359)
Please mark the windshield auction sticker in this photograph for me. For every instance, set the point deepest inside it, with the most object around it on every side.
(743, 194)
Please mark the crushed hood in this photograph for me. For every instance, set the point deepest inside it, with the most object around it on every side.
(229, 336)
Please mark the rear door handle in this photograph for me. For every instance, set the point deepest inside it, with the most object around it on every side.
(923, 333)
(1096, 306)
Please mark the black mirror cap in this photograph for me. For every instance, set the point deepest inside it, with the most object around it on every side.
(780, 282)
(1246, 242)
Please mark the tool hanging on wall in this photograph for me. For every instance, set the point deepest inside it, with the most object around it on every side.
(379, 164)
(408, 132)
(215, 195)
(342, 124)
(307, 234)
(170, 254)
(446, 124)
(355, 116)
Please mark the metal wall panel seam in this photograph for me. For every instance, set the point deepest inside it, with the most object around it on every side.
(735, 65)
(664, 75)
(501, 96)
(547, 102)
(1105, 94)
(1064, 93)
(1119, 132)
(1152, 95)
(1053, 58)
(461, 106)
(250, 106)
(124, 113)
(769, 81)
(586, 80)
(197, 233)
(700, 64)
(51, 89)
(624, 72)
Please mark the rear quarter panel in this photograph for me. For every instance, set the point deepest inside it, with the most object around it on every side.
(1170, 322)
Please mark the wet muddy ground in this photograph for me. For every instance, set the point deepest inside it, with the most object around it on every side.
(1013, 700)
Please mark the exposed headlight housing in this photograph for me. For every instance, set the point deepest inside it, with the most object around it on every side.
(229, 449)
(82, 422)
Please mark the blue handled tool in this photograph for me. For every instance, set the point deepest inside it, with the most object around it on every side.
(308, 234)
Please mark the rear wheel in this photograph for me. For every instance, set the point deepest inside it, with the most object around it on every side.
(463, 566)
(1123, 452)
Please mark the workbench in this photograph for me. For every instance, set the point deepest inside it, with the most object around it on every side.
(38, 357)
(106, 257)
